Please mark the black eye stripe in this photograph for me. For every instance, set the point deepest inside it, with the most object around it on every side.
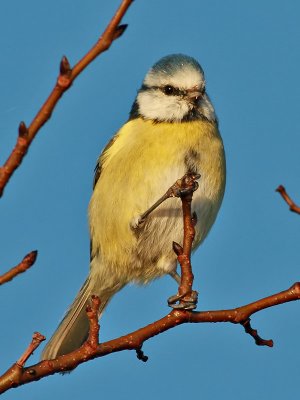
(166, 89)
(171, 91)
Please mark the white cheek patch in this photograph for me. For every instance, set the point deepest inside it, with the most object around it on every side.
(155, 105)
(207, 108)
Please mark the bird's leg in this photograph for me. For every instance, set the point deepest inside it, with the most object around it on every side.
(144, 216)
(179, 189)
(175, 276)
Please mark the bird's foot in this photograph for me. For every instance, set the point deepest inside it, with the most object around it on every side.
(186, 301)
(184, 186)
(137, 222)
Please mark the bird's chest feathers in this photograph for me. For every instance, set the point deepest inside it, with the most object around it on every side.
(150, 157)
(166, 151)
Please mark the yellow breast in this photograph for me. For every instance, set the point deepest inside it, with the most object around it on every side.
(145, 159)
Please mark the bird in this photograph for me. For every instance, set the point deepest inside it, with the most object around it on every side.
(172, 130)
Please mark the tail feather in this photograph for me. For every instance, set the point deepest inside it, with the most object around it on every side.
(74, 328)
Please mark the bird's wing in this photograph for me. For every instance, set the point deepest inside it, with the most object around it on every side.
(97, 174)
(98, 168)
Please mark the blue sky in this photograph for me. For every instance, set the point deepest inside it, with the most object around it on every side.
(250, 54)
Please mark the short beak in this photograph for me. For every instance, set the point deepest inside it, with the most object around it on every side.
(194, 95)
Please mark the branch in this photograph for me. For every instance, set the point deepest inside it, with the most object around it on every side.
(37, 339)
(287, 199)
(23, 266)
(18, 375)
(186, 295)
(65, 79)
(15, 372)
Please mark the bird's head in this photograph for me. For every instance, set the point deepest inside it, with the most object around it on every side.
(174, 91)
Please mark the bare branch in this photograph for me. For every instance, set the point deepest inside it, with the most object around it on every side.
(92, 312)
(287, 199)
(23, 266)
(16, 376)
(187, 297)
(65, 79)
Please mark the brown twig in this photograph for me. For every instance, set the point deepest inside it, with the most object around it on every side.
(17, 376)
(13, 374)
(287, 199)
(37, 339)
(184, 259)
(92, 312)
(65, 79)
(23, 266)
(187, 297)
(253, 332)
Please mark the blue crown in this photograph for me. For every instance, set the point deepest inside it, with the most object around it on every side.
(173, 62)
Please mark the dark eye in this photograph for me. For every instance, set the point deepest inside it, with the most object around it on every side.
(169, 90)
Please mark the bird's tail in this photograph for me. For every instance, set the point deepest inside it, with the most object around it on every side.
(74, 328)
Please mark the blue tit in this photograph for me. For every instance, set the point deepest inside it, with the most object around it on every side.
(172, 130)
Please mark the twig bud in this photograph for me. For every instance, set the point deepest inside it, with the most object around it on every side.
(120, 30)
(31, 257)
(280, 189)
(194, 218)
(23, 130)
(65, 67)
(178, 250)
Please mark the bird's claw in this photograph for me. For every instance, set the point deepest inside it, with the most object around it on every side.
(186, 301)
(137, 223)
(185, 185)
(185, 191)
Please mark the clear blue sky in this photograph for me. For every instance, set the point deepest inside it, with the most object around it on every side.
(250, 54)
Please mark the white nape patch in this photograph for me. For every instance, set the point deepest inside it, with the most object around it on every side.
(154, 104)
(187, 77)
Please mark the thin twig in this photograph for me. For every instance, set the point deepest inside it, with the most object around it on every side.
(141, 356)
(187, 297)
(37, 339)
(65, 79)
(23, 266)
(92, 312)
(184, 259)
(253, 332)
(288, 200)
